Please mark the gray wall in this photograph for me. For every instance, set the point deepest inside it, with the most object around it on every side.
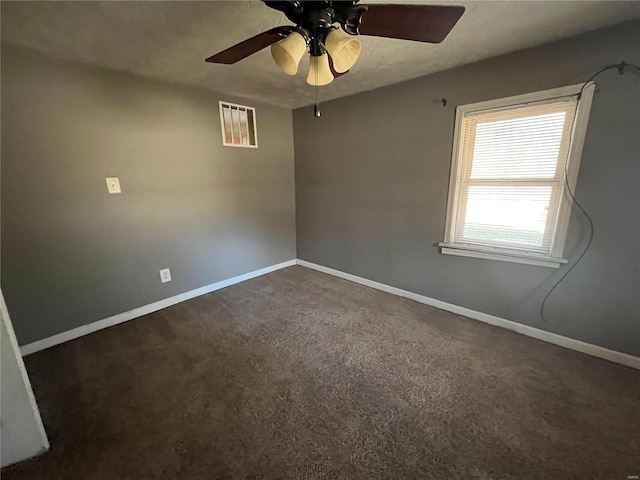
(71, 253)
(372, 178)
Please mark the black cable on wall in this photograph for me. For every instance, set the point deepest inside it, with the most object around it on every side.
(621, 68)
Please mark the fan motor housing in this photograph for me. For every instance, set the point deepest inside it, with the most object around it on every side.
(316, 18)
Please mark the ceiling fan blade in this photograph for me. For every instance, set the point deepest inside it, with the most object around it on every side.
(422, 23)
(333, 70)
(250, 46)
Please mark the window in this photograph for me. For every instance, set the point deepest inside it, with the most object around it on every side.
(238, 125)
(507, 193)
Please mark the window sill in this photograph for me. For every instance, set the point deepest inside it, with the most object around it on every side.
(463, 251)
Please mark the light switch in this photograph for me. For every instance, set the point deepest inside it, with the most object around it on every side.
(113, 185)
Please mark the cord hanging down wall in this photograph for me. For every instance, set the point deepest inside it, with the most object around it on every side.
(620, 67)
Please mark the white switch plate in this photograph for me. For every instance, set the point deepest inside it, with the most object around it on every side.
(113, 185)
(165, 275)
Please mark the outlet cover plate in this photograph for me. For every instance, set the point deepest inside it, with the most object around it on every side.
(165, 275)
(113, 185)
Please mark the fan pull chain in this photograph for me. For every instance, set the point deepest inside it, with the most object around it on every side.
(316, 107)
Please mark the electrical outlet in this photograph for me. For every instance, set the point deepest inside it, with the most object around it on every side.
(165, 275)
(113, 185)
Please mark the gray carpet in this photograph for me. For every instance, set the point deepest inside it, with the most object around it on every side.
(297, 374)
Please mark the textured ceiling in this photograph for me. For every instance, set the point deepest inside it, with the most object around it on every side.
(169, 41)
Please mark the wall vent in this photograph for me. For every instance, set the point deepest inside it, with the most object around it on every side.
(238, 124)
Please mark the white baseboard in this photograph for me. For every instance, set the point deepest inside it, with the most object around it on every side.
(144, 310)
(566, 342)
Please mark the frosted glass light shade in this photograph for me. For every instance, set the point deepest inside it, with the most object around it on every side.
(343, 48)
(319, 71)
(288, 52)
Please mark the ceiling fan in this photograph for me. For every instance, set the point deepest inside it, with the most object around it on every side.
(334, 50)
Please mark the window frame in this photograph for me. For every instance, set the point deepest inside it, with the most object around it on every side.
(221, 105)
(577, 137)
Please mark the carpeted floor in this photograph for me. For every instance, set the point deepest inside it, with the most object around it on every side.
(297, 374)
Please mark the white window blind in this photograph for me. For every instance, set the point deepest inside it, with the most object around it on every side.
(510, 176)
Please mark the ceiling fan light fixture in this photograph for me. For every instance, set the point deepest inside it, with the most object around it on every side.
(288, 52)
(343, 48)
(319, 71)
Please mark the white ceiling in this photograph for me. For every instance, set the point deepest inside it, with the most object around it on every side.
(170, 40)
